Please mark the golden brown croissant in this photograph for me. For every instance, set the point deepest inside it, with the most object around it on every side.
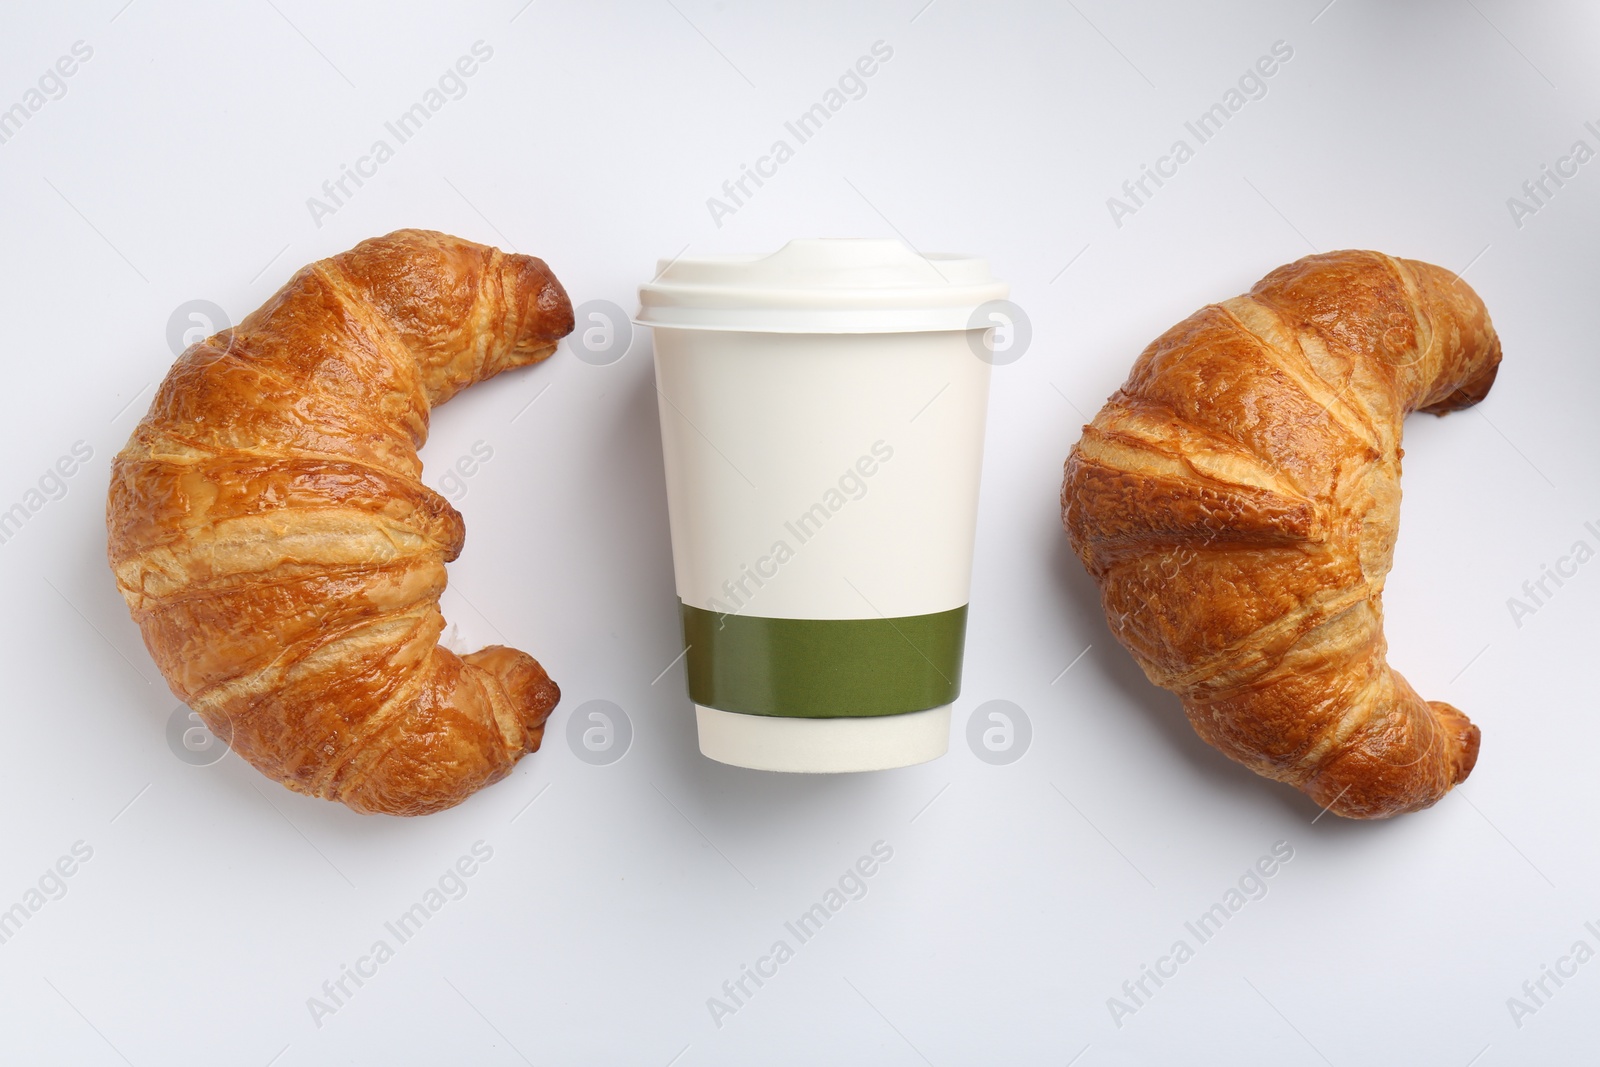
(271, 537)
(1237, 502)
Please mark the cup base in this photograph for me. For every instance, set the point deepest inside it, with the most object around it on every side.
(823, 746)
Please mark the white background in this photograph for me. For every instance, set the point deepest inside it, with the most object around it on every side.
(619, 898)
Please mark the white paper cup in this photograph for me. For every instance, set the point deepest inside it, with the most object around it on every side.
(822, 417)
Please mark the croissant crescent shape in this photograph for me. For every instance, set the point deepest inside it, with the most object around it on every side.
(1237, 502)
(269, 533)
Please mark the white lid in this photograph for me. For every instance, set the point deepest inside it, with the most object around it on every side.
(821, 285)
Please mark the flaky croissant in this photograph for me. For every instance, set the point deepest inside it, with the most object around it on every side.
(271, 537)
(1237, 502)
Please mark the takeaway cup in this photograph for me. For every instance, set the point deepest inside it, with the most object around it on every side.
(822, 416)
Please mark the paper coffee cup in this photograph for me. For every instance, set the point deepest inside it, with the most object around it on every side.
(822, 418)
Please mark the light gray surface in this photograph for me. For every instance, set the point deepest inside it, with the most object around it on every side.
(620, 897)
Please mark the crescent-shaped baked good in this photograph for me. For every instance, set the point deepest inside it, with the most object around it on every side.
(270, 534)
(1237, 502)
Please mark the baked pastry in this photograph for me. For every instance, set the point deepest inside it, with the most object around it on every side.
(1237, 502)
(269, 533)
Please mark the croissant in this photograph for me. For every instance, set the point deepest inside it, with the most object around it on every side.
(1237, 501)
(269, 533)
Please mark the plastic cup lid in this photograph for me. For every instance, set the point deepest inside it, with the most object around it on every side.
(821, 285)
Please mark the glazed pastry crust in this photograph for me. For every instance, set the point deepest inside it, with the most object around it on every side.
(270, 534)
(1237, 502)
